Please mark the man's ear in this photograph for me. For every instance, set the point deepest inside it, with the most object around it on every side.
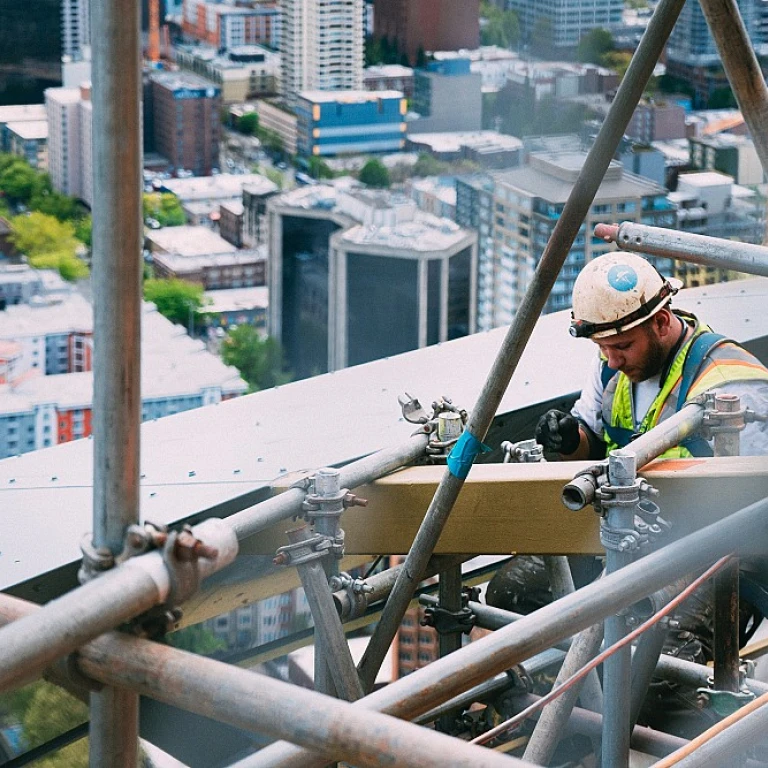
(663, 322)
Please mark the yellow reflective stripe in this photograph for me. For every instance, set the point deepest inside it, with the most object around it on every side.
(725, 371)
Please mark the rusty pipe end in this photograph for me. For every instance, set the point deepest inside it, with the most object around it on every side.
(607, 232)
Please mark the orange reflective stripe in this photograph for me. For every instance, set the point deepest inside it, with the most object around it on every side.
(725, 371)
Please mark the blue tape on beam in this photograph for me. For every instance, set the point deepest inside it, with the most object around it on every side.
(463, 454)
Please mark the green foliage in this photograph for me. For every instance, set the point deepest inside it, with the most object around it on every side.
(271, 141)
(619, 62)
(380, 50)
(317, 168)
(48, 244)
(84, 230)
(594, 46)
(196, 639)
(500, 28)
(44, 712)
(248, 124)
(427, 165)
(164, 207)
(260, 361)
(375, 174)
(175, 298)
(19, 182)
(275, 176)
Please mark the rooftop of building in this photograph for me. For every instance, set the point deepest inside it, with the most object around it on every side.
(64, 95)
(181, 263)
(425, 233)
(180, 80)
(23, 273)
(676, 152)
(233, 206)
(186, 241)
(29, 130)
(47, 316)
(706, 179)
(724, 140)
(387, 70)
(551, 176)
(234, 299)
(173, 364)
(348, 97)
(210, 54)
(453, 141)
(10, 113)
(219, 187)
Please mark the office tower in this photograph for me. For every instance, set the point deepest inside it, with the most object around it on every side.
(321, 46)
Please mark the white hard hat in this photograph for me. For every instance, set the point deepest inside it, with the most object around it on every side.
(616, 292)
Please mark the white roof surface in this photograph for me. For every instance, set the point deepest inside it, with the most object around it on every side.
(237, 448)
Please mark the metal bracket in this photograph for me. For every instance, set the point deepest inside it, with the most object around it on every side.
(356, 590)
(314, 548)
(724, 703)
(522, 452)
(447, 622)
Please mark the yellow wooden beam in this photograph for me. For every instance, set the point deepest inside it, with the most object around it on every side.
(505, 508)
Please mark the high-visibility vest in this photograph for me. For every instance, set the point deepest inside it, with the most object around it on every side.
(706, 360)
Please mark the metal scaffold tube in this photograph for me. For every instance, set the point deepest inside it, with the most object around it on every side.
(445, 678)
(254, 519)
(261, 704)
(31, 644)
(687, 246)
(731, 737)
(575, 210)
(117, 242)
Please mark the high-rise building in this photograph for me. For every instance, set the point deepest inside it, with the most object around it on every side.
(427, 25)
(226, 25)
(447, 96)
(321, 46)
(70, 156)
(75, 28)
(187, 124)
(340, 261)
(562, 23)
(523, 211)
(691, 52)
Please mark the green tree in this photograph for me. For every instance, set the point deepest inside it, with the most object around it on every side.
(176, 299)
(48, 244)
(374, 51)
(196, 639)
(260, 361)
(248, 124)
(594, 46)
(19, 182)
(319, 169)
(427, 165)
(164, 207)
(45, 711)
(375, 174)
(619, 61)
(84, 230)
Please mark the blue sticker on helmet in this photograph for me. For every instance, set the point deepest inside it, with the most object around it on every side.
(622, 278)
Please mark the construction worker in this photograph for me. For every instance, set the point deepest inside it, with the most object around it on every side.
(651, 360)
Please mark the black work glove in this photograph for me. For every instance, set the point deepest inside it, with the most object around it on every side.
(558, 432)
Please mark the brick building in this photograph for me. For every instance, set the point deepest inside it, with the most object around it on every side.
(429, 25)
(186, 115)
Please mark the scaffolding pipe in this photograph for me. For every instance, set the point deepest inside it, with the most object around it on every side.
(263, 705)
(696, 675)
(116, 283)
(742, 68)
(671, 432)
(549, 729)
(250, 521)
(644, 662)
(576, 208)
(381, 584)
(444, 678)
(731, 737)
(686, 246)
(34, 642)
(328, 629)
